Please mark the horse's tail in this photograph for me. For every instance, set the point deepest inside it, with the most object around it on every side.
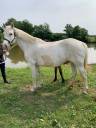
(86, 55)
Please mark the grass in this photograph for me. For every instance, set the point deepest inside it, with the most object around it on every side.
(52, 106)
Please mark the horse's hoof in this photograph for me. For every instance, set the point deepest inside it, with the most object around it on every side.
(63, 81)
(54, 80)
(33, 89)
(85, 92)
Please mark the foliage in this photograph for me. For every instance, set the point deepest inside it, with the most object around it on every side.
(68, 30)
(57, 36)
(76, 32)
(92, 39)
(42, 31)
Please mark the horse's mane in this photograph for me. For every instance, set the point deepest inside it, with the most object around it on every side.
(26, 37)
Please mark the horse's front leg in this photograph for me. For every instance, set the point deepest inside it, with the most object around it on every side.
(35, 77)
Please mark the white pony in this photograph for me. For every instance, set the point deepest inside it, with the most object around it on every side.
(40, 53)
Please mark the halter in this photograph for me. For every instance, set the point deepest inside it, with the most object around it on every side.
(10, 42)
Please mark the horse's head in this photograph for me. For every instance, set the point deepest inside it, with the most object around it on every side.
(9, 34)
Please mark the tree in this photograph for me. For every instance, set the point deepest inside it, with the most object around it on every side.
(84, 34)
(68, 30)
(27, 26)
(80, 33)
(76, 32)
(42, 31)
(11, 20)
(57, 36)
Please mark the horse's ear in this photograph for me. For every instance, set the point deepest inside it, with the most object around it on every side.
(3, 26)
(1, 30)
(12, 25)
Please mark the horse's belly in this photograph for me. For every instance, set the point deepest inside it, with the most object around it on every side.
(45, 61)
(52, 57)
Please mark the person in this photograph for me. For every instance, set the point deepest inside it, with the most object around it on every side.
(2, 63)
(61, 74)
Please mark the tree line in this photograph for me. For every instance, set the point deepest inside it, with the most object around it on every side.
(44, 32)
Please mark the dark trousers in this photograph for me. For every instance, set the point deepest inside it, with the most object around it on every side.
(2, 67)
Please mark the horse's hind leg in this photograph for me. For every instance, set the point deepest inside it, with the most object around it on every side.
(74, 71)
(84, 76)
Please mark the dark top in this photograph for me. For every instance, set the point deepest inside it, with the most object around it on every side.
(1, 54)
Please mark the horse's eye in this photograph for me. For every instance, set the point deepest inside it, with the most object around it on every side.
(10, 34)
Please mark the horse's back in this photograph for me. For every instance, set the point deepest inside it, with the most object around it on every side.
(76, 50)
(73, 44)
(67, 50)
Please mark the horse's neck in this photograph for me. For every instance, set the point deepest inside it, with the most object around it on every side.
(24, 40)
(22, 45)
(24, 36)
(27, 42)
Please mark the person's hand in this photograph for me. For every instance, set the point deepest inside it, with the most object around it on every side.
(7, 53)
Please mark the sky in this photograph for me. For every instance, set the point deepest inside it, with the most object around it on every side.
(57, 13)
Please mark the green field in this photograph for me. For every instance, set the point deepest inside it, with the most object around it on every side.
(52, 106)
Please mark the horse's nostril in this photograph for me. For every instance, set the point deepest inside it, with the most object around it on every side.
(10, 34)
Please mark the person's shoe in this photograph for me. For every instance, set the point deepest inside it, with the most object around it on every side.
(54, 80)
(63, 81)
(6, 82)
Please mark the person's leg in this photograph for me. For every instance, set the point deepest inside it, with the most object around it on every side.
(61, 74)
(55, 71)
(2, 66)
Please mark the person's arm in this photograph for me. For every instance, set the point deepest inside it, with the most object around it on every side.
(5, 50)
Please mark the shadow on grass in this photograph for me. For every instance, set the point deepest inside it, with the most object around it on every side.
(48, 99)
